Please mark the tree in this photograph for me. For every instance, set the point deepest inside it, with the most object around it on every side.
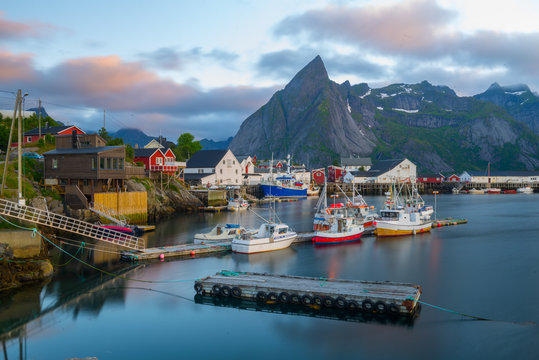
(186, 147)
(104, 134)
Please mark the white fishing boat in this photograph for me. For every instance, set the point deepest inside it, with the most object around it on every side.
(476, 191)
(237, 204)
(220, 233)
(525, 190)
(269, 237)
(404, 217)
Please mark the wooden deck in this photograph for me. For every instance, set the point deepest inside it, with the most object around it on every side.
(448, 222)
(369, 296)
(175, 251)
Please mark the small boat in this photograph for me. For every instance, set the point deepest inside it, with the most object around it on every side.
(219, 233)
(525, 190)
(408, 217)
(509, 191)
(313, 191)
(237, 204)
(398, 222)
(476, 191)
(493, 191)
(269, 237)
(342, 229)
(135, 231)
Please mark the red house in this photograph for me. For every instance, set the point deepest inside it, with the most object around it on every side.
(319, 175)
(430, 179)
(33, 135)
(335, 173)
(157, 160)
(453, 178)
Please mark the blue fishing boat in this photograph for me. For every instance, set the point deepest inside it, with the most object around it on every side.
(284, 186)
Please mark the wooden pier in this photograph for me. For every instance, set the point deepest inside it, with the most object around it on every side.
(448, 222)
(175, 251)
(377, 297)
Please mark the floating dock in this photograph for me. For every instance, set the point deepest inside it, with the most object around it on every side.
(174, 251)
(448, 222)
(213, 208)
(375, 297)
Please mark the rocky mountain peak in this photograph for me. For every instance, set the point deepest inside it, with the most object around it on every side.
(314, 74)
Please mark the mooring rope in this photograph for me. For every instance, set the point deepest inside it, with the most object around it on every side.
(450, 311)
(35, 231)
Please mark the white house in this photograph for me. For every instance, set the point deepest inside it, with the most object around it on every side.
(213, 167)
(246, 163)
(154, 144)
(384, 172)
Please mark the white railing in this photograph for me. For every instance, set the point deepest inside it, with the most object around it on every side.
(108, 213)
(61, 222)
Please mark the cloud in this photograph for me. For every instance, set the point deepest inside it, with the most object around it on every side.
(407, 27)
(12, 30)
(123, 87)
(171, 58)
(284, 64)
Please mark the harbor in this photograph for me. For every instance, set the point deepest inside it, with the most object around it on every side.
(449, 263)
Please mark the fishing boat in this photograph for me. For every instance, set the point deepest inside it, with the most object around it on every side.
(525, 190)
(220, 233)
(313, 191)
(404, 217)
(283, 185)
(269, 237)
(237, 204)
(135, 231)
(475, 191)
(342, 229)
(493, 191)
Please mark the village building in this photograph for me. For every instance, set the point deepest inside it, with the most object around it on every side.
(154, 144)
(33, 135)
(159, 160)
(335, 173)
(318, 176)
(430, 178)
(82, 165)
(356, 163)
(453, 178)
(384, 172)
(214, 167)
(246, 163)
(500, 177)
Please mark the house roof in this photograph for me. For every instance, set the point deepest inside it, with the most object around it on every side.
(89, 150)
(430, 176)
(195, 176)
(49, 130)
(206, 158)
(242, 157)
(145, 152)
(384, 166)
(352, 161)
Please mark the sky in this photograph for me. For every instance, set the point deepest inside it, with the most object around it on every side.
(169, 67)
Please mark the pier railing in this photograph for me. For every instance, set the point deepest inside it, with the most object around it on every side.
(61, 222)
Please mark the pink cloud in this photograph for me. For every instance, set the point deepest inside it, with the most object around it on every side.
(19, 30)
(16, 67)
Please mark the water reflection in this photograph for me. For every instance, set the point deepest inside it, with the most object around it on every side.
(299, 310)
(272, 261)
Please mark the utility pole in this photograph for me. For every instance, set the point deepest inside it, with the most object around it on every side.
(39, 118)
(19, 154)
(9, 140)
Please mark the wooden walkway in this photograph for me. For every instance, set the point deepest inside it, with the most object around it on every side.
(369, 296)
(175, 251)
(61, 222)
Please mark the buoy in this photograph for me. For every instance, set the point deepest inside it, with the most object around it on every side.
(192, 252)
(439, 224)
(162, 256)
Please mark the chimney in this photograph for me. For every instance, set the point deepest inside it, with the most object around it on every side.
(74, 139)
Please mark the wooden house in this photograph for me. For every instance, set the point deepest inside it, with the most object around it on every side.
(319, 175)
(453, 178)
(356, 163)
(83, 164)
(430, 178)
(335, 173)
(157, 160)
(33, 135)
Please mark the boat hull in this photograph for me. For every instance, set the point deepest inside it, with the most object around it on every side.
(324, 238)
(280, 191)
(256, 245)
(390, 228)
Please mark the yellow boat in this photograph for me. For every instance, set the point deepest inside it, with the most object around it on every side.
(400, 223)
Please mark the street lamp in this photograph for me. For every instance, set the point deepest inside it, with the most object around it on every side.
(435, 214)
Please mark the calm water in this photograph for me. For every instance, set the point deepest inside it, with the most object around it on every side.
(488, 268)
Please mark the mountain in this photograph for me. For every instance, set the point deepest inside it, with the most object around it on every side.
(517, 100)
(317, 121)
(208, 144)
(132, 137)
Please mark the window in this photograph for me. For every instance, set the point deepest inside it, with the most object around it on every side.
(115, 163)
(55, 163)
(94, 163)
(102, 163)
(121, 163)
(236, 171)
(159, 161)
(28, 139)
(221, 170)
(109, 163)
(201, 171)
(224, 162)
